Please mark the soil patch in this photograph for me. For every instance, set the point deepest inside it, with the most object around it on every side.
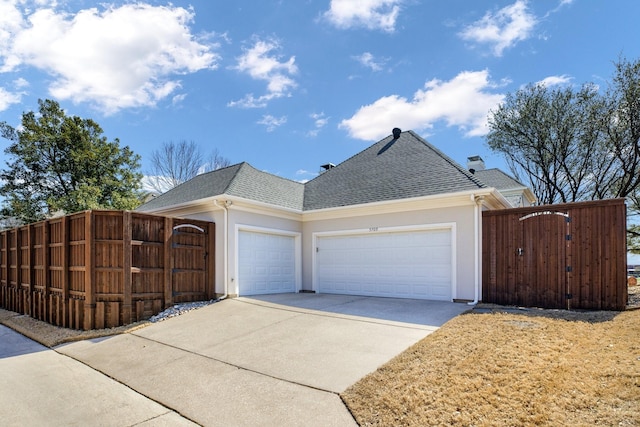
(50, 336)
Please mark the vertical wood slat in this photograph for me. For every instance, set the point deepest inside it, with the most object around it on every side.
(90, 301)
(18, 274)
(127, 268)
(211, 261)
(168, 266)
(65, 271)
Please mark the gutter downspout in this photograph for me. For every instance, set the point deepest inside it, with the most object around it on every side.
(476, 248)
(224, 206)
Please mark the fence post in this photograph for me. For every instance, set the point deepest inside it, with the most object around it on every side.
(168, 267)
(66, 318)
(4, 281)
(44, 301)
(31, 274)
(211, 261)
(126, 267)
(89, 295)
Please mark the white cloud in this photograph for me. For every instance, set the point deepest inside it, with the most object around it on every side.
(368, 60)
(259, 62)
(555, 80)
(561, 4)
(272, 122)
(320, 121)
(120, 57)
(303, 172)
(503, 29)
(7, 99)
(463, 102)
(370, 14)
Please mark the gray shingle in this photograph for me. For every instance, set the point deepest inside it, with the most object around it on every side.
(260, 186)
(498, 179)
(201, 187)
(391, 169)
(241, 180)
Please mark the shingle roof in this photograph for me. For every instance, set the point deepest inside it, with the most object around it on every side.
(241, 180)
(498, 179)
(391, 169)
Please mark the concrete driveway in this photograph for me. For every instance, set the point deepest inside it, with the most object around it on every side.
(272, 360)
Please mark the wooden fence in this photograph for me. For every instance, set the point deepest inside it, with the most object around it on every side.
(556, 256)
(98, 269)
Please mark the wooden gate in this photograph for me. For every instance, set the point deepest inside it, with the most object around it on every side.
(556, 256)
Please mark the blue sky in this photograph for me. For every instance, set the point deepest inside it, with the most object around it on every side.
(289, 85)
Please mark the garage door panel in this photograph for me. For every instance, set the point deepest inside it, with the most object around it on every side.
(414, 264)
(266, 263)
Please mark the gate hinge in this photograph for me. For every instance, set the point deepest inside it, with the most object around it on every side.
(568, 236)
(569, 269)
(569, 296)
(567, 218)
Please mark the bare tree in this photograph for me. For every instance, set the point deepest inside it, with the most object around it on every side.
(551, 140)
(572, 145)
(174, 163)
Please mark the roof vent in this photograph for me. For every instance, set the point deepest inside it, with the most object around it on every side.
(396, 133)
(324, 168)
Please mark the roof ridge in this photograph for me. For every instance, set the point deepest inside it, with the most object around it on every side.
(272, 174)
(511, 177)
(370, 147)
(449, 160)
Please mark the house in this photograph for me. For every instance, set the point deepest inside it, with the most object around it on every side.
(399, 219)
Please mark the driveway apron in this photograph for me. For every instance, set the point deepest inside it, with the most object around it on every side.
(271, 360)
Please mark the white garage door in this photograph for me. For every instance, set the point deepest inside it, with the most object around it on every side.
(266, 263)
(413, 264)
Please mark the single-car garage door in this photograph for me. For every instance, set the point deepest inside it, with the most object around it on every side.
(416, 264)
(266, 263)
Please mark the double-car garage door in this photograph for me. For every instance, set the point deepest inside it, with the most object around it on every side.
(407, 264)
(414, 264)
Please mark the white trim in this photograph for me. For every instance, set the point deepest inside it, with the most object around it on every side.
(396, 229)
(405, 205)
(494, 200)
(274, 231)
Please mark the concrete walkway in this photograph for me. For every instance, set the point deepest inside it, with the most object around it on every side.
(274, 360)
(40, 387)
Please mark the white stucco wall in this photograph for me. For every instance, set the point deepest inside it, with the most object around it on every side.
(461, 217)
(458, 213)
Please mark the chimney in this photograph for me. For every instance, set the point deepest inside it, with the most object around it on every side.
(396, 133)
(475, 163)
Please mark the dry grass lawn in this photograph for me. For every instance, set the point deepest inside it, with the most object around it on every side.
(501, 369)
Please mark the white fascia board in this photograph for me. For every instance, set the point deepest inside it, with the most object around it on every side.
(493, 199)
(181, 207)
(261, 208)
(237, 203)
